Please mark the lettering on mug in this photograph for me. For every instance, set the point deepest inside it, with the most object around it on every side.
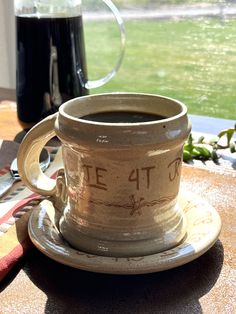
(174, 168)
(95, 177)
(141, 177)
(136, 176)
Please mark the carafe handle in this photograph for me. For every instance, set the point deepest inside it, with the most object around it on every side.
(97, 83)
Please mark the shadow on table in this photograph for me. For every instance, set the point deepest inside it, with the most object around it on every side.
(8, 151)
(174, 291)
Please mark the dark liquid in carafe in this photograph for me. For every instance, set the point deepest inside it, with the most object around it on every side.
(51, 65)
(122, 117)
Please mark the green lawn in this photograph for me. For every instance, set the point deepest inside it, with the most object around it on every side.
(193, 61)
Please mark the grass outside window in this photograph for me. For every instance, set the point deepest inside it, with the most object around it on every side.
(191, 60)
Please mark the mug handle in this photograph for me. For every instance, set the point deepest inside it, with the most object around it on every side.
(28, 157)
(97, 83)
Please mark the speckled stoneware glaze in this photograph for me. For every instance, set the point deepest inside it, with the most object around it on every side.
(118, 191)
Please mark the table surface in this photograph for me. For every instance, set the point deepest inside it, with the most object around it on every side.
(206, 285)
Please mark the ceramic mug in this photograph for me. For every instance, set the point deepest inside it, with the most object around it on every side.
(122, 156)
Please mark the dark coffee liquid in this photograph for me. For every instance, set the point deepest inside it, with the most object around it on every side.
(51, 65)
(122, 117)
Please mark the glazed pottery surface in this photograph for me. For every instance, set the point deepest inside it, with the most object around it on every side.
(202, 231)
(117, 193)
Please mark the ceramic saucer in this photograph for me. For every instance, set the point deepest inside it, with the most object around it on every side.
(203, 229)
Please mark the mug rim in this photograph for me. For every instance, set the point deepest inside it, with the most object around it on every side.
(117, 95)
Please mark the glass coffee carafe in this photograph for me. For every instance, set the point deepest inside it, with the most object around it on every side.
(51, 60)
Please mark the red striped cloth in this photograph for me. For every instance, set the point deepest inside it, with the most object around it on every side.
(4, 170)
(15, 209)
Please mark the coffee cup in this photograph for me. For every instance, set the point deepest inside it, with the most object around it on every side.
(117, 193)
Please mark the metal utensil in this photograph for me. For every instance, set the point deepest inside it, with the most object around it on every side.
(8, 179)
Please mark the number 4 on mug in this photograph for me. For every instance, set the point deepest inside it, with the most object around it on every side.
(142, 175)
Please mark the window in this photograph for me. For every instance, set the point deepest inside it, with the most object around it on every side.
(182, 49)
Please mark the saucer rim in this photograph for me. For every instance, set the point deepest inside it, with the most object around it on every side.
(183, 253)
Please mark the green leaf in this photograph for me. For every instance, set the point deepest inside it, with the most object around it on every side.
(188, 147)
(222, 133)
(187, 155)
(204, 150)
(201, 139)
(232, 147)
(214, 155)
(196, 152)
(190, 139)
(230, 134)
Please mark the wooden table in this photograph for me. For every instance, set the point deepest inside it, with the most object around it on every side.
(9, 126)
(206, 285)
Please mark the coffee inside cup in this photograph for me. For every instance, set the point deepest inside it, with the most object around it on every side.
(122, 117)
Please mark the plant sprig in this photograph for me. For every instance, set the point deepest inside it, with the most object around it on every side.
(203, 149)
